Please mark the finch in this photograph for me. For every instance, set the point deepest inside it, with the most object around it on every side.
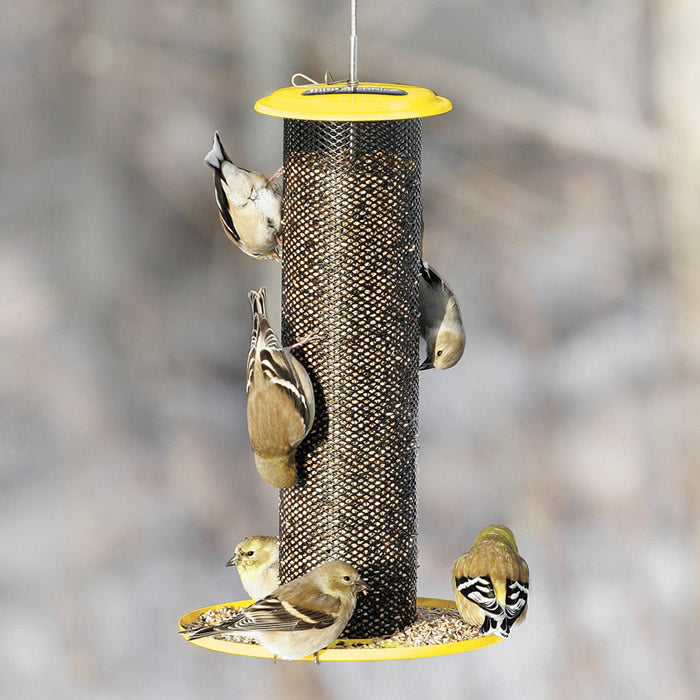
(280, 400)
(256, 559)
(300, 617)
(250, 204)
(491, 582)
(440, 320)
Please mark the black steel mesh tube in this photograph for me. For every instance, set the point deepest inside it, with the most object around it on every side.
(351, 215)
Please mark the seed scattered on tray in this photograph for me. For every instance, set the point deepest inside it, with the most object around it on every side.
(432, 626)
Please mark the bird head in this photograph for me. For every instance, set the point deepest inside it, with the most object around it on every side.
(500, 532)
(449, 346)
(342, 578)
(254, 551)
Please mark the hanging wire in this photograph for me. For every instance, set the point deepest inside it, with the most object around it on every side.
(302, 80)
(353, 44)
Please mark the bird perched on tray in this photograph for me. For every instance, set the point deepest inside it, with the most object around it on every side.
(300, 617)
(491, 582)
(280, 402)
(257, 560)
(440, 320)
(250, 204)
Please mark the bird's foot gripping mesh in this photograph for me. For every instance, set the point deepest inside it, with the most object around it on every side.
(351, 229)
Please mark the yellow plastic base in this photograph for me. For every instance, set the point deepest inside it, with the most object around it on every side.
(345, 652)
(375, 102)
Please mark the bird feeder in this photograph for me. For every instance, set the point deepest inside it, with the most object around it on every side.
(351, 229)
(351, 212)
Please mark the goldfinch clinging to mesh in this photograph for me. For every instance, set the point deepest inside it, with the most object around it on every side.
(256, 559)
(440, 320)
(250, 204)
(300, 617)
(491, 582)
(280, 400)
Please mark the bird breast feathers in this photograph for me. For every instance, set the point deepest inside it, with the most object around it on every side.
(268, 202)
(237, 184)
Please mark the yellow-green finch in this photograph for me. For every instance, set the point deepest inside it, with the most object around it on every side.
(280, 400)
(440, 320)
(250, 204)
(256, 559)
(491, 582)
(300, 617)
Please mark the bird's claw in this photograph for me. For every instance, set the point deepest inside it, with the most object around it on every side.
(278, 173)
(306, 340)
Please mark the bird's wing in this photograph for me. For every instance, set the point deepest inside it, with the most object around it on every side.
(278, 368)
(277, 363)
(516, 599)
(224, 211)
(480, 591)
(273, 614)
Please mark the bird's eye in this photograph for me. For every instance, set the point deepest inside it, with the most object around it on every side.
(346, 578)
(250, 553)
(438, 353)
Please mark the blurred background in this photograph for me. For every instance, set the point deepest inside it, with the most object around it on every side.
(562, 200)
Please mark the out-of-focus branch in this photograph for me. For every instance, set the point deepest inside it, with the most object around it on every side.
(678, 105)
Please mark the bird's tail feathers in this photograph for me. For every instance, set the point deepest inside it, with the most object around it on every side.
(203, 632)
(210, 630)
(257, 302)
(280, 472)
(500, 626)
(430, 275)
(217, 155)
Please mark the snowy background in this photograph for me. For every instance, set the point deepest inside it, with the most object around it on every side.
(562, 202)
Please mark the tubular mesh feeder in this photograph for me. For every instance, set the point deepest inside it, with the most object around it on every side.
(351, 213)
(351, 224)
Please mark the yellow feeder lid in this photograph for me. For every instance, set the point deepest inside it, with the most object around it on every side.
(347, 649)
(366, 102)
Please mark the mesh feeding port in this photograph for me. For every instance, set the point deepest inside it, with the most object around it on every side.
(351, 215)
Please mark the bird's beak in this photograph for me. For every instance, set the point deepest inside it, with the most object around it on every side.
(233, 561)
(426, 364)
(362, 585)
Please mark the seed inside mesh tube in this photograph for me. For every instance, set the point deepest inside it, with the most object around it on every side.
(351, 216)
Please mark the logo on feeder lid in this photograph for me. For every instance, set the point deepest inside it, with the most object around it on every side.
(357, 90)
